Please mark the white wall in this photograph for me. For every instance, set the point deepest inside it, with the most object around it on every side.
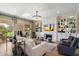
(51, 20)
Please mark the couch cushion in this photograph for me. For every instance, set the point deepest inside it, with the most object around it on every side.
(30, 42)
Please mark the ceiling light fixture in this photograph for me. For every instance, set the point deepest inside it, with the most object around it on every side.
(36, 16)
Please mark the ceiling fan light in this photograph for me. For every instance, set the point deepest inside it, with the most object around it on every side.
(37, 17)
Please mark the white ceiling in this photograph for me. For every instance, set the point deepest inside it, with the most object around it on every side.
(27, 10)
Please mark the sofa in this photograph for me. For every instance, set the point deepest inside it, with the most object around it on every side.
(31, 49)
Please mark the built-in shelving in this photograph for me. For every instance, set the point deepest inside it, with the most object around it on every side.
(66, 25)
(72, 24)
(61, 25)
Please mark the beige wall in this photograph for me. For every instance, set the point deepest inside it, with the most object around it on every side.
(6, 20)
(78, 25)
(20, 23)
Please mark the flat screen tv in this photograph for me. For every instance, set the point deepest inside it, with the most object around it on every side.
(49, 27)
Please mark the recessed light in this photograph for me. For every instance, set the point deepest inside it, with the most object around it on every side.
(58, 11)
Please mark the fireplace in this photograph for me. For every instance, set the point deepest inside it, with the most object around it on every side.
(48, 37)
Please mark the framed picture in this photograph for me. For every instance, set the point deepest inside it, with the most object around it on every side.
(49, 27)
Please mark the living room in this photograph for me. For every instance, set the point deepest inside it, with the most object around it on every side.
(43, 29)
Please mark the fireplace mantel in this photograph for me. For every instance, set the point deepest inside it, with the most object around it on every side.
(42, 34)
(53, 33)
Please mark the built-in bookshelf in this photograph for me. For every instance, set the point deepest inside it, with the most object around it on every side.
(61, 23)
(38, 27)
(66, 25)
(71, 21)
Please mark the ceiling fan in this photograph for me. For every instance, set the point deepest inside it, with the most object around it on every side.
(37, 16)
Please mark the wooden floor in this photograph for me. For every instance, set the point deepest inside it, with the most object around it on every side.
(6, 49)
(54, 52)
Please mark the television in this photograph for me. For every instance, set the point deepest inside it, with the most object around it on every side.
(49, 27)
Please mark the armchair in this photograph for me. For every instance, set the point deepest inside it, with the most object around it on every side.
(68, 49)
(67, 41)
